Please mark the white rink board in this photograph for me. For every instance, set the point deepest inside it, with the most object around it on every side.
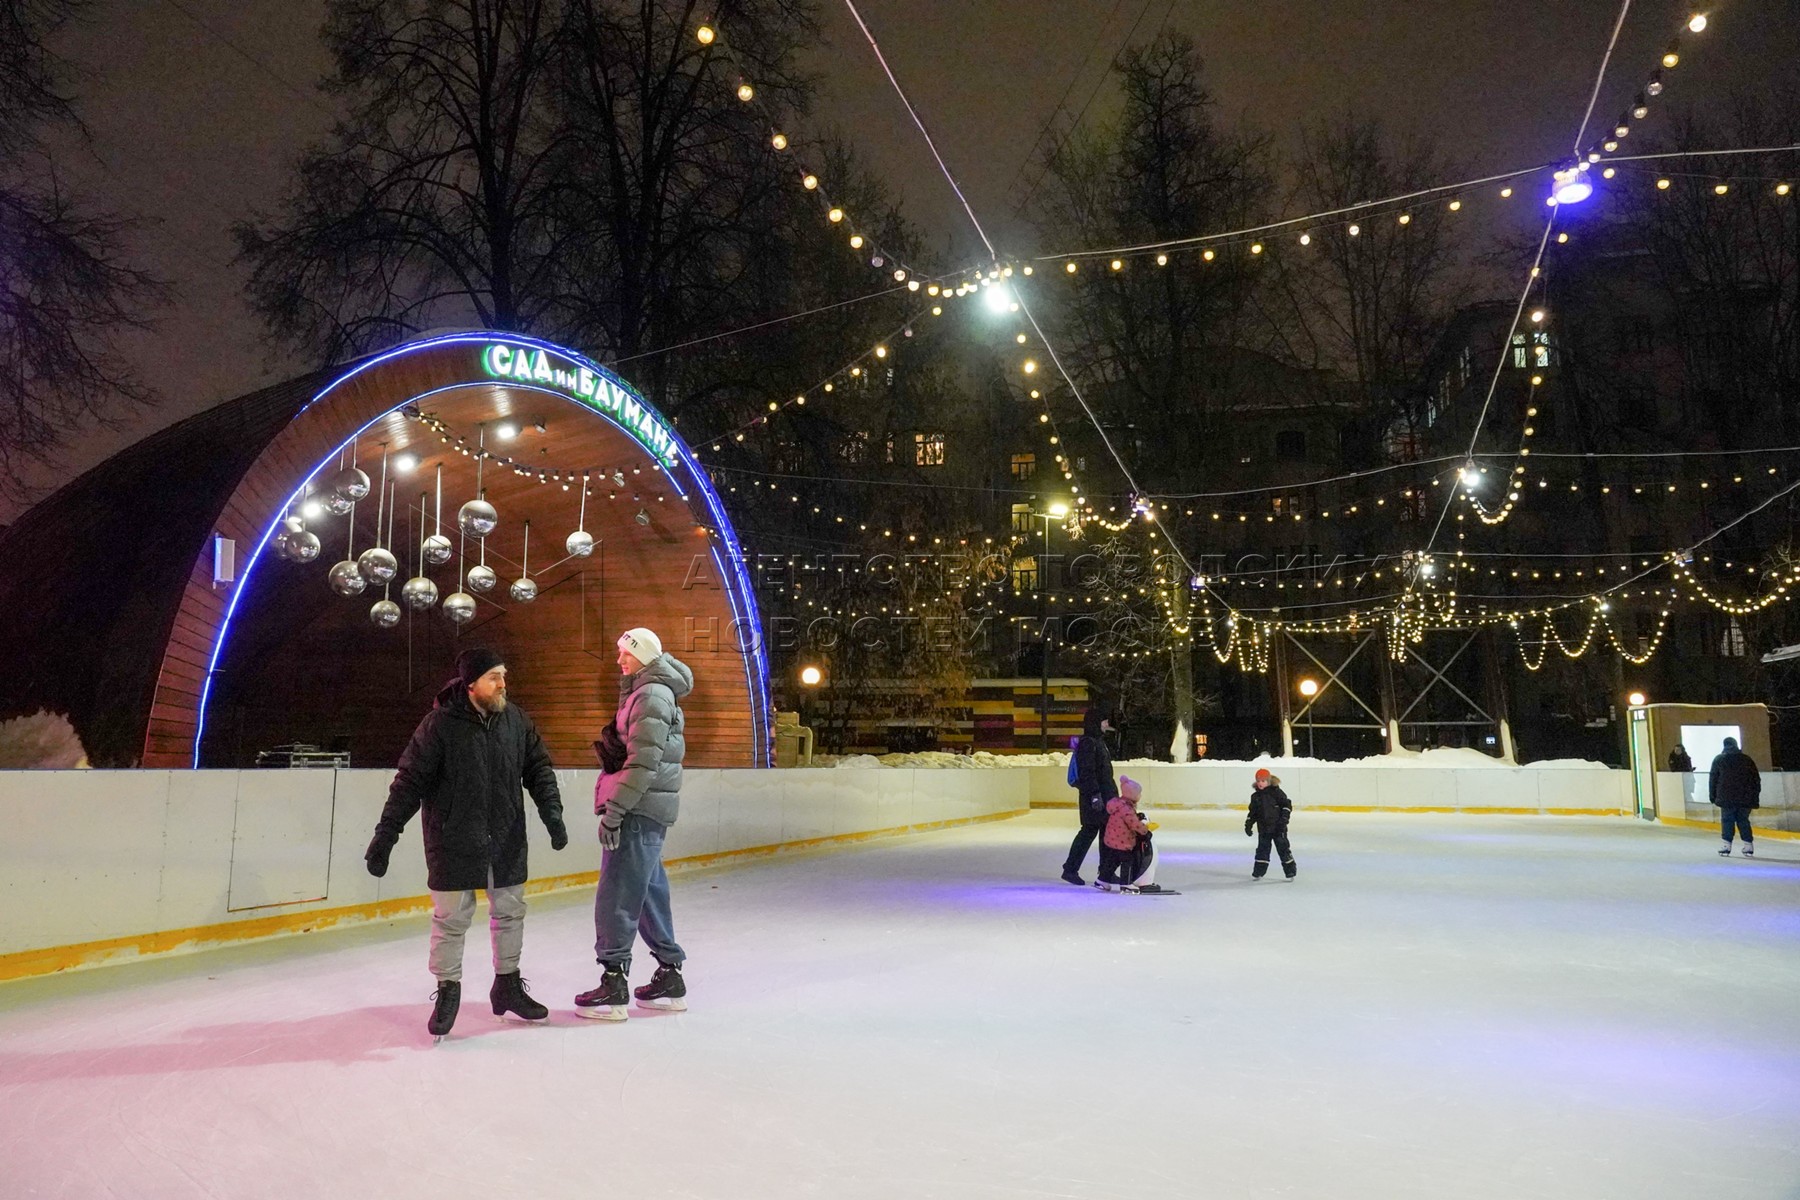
(98, 856)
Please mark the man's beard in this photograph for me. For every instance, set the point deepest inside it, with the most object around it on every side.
(493, 704)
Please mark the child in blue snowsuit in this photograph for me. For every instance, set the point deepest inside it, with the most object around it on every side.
(1269, 812)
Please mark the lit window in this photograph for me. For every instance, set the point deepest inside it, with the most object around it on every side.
(1521, 357)
(928, 449)
(1024, 574)
(1021, 518)
(1024, 466)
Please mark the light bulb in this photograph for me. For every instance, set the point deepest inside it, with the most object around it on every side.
(746, 93)
(1406, 218)
(1505, 193)
(1782, 189)
(1354, 230)
(1306, 239)
(1207, 255)
(1655, 86)
(1030, 366)
(1719, 189)
(1640, 110)
(881, 352)
(1670, 57)
(1256, 248)
(1697, 23)
(1621, 130)
(779, 141)
(1537, 316)
(706, 35)
(810, 182)
(1118, 264)
(835, 215)
(1070, 268)
(856, 241)
(1162, 260)
(1662, 185)
(1608, 173)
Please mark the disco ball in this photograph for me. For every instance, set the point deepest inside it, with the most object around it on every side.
(377, 565)
(347, 579)
(477, 518)
(482, 578)
(580, 544)
(523, 590)
(438, 549)
(459, 607)
(384, 614)
(336, 505)
(419, 593)
(279, 544)
(350, 483)
(302, 546)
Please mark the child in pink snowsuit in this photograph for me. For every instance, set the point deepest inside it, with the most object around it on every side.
(1119, 842)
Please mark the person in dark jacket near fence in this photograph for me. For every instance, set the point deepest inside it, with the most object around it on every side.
(1679, 760)
(1270, 809)
(464, 767)
(1735, 785)
(1094, 786)
(636, 804)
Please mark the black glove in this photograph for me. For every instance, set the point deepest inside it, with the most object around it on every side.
(376, 856)
(559, 834)
(1247, 826)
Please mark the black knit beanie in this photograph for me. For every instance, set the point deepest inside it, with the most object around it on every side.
(475, 662)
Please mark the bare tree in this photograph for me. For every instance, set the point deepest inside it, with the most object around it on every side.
(67, 288)
(1157, 344)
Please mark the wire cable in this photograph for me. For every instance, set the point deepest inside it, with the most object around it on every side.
(913, 113)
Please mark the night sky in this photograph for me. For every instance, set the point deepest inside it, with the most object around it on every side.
(196, 107)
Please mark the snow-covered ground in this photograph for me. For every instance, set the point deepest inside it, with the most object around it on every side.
(1440, 1006)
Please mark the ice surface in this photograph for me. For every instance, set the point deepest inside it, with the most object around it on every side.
(1441, 1006)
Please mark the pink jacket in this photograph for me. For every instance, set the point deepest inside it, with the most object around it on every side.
(1123, 825)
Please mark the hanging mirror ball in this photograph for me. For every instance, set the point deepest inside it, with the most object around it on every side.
(279, 544)
(347, 579)
(336, 505)
(438, 549)
(384, 614)
(482, 578)
(419, 593)
(523, 590)
(477, 518)
(580, 544)
(350, 483)
(377, 565)
(303, 546)
(459, 607)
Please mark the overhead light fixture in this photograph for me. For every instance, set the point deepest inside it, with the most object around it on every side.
(406, 463)
(506, 430)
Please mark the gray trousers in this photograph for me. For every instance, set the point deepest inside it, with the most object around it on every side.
(453, 912)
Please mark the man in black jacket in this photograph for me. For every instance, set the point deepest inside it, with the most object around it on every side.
(1094, 786)
(1735, 785)
(464, 767)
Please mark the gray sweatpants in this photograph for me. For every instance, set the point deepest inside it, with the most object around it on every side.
(453, 912)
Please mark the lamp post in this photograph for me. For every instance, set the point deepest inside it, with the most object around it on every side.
(1309, 688)
(1056, 512)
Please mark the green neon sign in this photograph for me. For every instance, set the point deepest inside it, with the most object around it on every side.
(545, 368)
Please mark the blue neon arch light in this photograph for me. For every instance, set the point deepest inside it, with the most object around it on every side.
(607, 396)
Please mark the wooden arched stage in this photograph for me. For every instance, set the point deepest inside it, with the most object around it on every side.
(277, 657)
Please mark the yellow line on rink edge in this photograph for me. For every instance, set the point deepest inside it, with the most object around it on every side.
(25, 964)
(1688, 823)
(1371, 808)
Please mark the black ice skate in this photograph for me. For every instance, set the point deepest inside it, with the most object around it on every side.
(1069, 876)
(606, 1002)
(443, 1014)
(509, 996)
(665, 992)
(1289, 869)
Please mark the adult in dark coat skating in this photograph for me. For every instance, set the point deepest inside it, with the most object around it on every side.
(1094, 786)
(1735, 785)
(464, 767)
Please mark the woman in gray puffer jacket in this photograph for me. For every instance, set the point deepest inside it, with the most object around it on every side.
(637, 803)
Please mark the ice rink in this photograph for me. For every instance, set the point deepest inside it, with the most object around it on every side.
(1441, 1006)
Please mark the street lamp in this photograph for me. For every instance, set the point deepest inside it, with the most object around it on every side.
(1056, 511)
(1637, 699)
(811, 676)
(1309, 688)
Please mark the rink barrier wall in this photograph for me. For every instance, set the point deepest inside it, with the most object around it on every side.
(107, 866)
(1681, 801)
(1553, 791)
